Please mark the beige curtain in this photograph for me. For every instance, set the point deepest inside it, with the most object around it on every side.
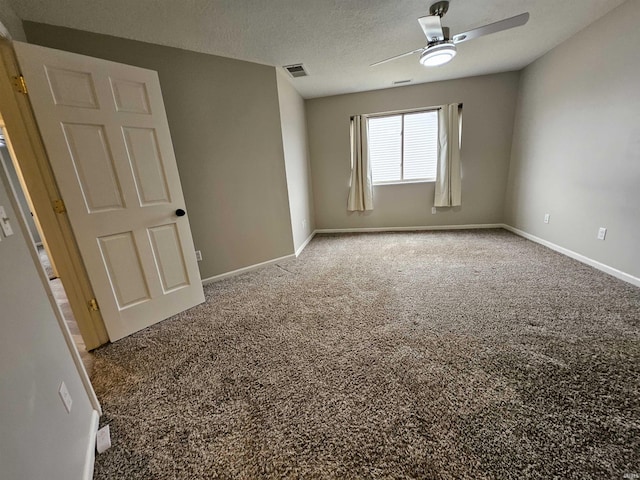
(361, 190)
(448, 188)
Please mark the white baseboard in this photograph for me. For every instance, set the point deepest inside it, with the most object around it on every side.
(305, 243)
(577, 256)
(240, 271)
(565, 251)
(404, 229)
(90, 454)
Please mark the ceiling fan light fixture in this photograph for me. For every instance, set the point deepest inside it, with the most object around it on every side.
(437, 55)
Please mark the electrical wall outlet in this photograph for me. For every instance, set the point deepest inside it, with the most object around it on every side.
(602, 232)
(434, 210)
(304, 223)
(546, 217)
(198, 255)
(65, 396)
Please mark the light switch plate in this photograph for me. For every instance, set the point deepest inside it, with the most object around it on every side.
(5, 224)
(65, 396)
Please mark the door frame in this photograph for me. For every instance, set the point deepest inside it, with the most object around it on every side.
(28, 152)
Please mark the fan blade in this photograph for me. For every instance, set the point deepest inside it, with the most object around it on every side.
(396, 57)
(505, 24)
(432, 28)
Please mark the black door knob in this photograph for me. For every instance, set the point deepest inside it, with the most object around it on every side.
(180, 212)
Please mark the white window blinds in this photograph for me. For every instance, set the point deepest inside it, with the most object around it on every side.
(404, 147)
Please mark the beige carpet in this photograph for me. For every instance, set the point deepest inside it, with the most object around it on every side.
(397, 355)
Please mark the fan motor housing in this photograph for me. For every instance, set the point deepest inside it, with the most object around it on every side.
(439, 8)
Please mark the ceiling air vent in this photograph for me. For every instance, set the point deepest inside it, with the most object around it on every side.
(401, 82)
(296, 70)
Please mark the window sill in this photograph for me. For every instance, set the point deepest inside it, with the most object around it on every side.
(404, 182)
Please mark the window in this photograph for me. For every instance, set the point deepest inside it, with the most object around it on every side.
(404, 147)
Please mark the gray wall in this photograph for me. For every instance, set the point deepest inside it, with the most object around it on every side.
(225, 125)
(296, 157)
(489, 106)
(38, 438)
(576, 150)
(11, 21)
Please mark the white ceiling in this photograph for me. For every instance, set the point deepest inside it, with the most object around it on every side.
(335, 39)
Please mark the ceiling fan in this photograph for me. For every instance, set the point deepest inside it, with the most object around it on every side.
(441, 48)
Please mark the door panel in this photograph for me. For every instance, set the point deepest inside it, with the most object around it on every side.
(130, 96)
(105, 130)
(72, 88)
(168, 255)
(146, 162)
(124, 268)
(94, 166)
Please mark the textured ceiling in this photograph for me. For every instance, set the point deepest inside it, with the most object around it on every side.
(335, 39)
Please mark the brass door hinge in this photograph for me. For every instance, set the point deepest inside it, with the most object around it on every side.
(58, 206)
(93, 305)
(20, 84)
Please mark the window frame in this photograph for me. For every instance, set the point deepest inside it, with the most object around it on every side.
(402, 114)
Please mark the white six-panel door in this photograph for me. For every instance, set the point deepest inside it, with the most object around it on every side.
(105, 130)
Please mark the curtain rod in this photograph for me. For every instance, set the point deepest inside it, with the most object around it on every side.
(398, 112)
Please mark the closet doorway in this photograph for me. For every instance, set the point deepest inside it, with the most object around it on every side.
(42, 247)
